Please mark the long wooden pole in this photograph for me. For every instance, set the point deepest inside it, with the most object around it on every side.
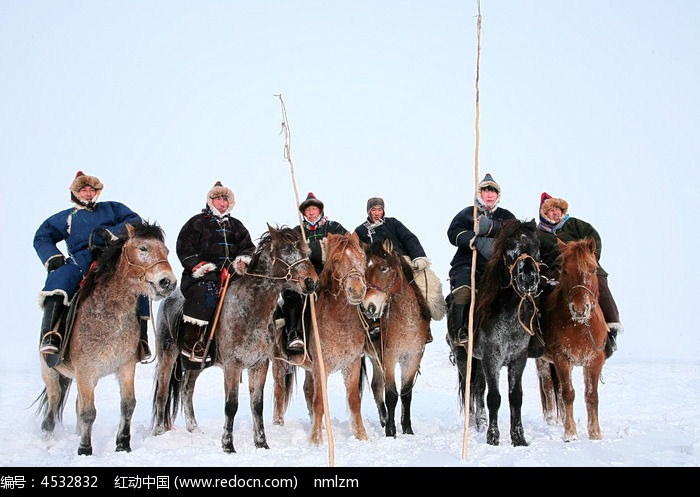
(468, 375)
(317, 341)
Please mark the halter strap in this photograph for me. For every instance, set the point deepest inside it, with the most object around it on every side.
(144, 268)
(287, 276)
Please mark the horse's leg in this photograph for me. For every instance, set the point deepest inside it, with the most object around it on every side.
(128, 404)
(493, 400)
(563, 370)
(53, 398)
(309, 393)
(547, 391)
(378, 386)
(232, 379)
(477, 385)
(86, 413)
(591, 375)
(351, 374)
(391, 395)
(282, 377)
(409, 372)
(162, 398)
(188, 382)
(314, 387)
(256, 386)
(515, 400)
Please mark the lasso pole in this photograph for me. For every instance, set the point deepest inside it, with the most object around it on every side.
(468, 375)
(314, 325)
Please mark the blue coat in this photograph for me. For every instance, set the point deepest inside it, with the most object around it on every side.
(75, 226)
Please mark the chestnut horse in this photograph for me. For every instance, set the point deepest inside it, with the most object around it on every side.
(506, 312)
(104, 338)
(244, 338)
(341, 334)
(405, 325)
(574, 332)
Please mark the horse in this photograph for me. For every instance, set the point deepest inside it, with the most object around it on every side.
(574, 331)
(244, 340)
(508, 293)
(104, 337)
(341, 333)
(405, 326)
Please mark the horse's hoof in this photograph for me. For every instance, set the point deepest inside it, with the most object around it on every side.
(84, 451)
(262, 445)
(123, 448)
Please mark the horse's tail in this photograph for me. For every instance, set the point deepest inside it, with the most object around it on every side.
(363, 374)
(64, 384)
(460, 358)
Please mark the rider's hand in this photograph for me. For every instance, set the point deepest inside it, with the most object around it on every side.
(420, 263)
(55, 262)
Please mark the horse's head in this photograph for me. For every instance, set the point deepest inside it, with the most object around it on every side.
(521, 255)
(290, 255)
(144, 257)
(344, 269)
(383, 277)
(578, 278)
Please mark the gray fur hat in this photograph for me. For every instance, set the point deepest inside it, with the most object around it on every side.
(375, 202)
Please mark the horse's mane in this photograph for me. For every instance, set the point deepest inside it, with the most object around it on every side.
(287, 234)
(496, 275)
(106, 264)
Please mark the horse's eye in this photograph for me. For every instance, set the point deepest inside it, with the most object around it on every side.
(143, 248)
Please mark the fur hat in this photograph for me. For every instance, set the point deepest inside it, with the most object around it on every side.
(82, 180)
(310, 200)
(217, 190)
(489, 181)
(548, 202)
(375, 202)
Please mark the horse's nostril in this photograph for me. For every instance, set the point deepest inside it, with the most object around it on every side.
(310, 283)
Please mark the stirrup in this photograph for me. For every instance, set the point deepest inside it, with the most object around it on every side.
(295, 343)
(192, 355)
(462, 337)
(48, 345)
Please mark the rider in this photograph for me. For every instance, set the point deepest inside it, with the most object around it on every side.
(209, 246)
(317, 226)
(377, 228)
(461, 234)
(85, 228)
(555, 222)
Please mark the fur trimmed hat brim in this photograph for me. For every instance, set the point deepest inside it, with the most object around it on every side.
(551, 203)
(82, 180)
(217, 191)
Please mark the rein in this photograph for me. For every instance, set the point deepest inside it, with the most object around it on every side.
(523, 296)
(287, 276)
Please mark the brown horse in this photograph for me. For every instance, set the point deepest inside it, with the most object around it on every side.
(405, 326)
(104, 338)
(341, 335)
(574, 331)
(245, 335)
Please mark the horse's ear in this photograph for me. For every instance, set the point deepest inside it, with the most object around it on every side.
(590, 243)
(388, 246)
(355, 237)
(129, 230)
(561, 244)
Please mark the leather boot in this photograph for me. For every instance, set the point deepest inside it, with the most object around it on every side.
(145, 351)
(194, 342)
(50, 339)
(459, 335)
(292, 320)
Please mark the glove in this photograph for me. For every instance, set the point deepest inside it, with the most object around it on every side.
(485, 225)
(105, 235)
(420, 263)
(240, 263)
(55, 262)
(202, 268)
(483, 245)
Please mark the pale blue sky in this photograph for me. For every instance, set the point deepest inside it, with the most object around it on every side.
(593, 101)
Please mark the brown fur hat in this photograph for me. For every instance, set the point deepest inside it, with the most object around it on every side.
(81, 180)
(218, 190)
(547, 202)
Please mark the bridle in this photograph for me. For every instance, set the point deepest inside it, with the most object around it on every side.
(145, 269)
(288, 276)
(524, 295)
(587, 321)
